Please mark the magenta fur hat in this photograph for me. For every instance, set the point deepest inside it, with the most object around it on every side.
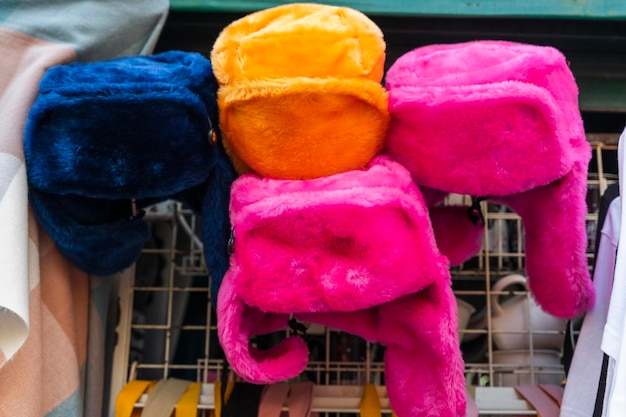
(354, 251)
(500, 120)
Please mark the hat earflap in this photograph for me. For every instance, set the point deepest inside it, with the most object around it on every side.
(354, 251)
(556, 241)
(100, 237)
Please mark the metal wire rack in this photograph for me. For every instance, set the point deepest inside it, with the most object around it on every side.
(166, 327)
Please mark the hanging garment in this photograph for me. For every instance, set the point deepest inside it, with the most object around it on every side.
(298, 395)
(106, 139)
(584, 372)
(499, 120)
(353, 251)
(167, 397)
(53, 322)
(273, 400)
(300, 93)
(613, 343)
(570, 339)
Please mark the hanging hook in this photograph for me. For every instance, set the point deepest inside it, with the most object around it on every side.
(135, 213)
(475, 212)
(297, 327)
(231, 241)
(212, 133)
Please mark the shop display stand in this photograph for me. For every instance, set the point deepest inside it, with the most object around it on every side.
(166, 328)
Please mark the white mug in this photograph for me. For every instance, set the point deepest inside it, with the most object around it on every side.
(465, 311)
(513, 367)
(514, 318)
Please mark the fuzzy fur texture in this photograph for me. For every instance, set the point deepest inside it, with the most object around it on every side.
(556, 242)
(215, 219)
(300, 92)
(211, 200)
(501, 120)
(120, 128)
(423, 366)
(100, 134)
(98, 236)
(504, 113)
(457, 236)
(354, 251)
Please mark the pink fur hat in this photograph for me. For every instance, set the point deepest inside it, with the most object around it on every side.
(500, 120)
(354, 251)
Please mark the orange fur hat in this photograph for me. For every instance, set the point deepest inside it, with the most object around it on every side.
(300, 93)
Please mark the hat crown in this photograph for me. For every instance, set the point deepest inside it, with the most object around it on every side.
(485, 62)
(277, 43)
(119, 128)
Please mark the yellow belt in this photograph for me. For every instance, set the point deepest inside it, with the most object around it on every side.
(370, 403)
(185, 405)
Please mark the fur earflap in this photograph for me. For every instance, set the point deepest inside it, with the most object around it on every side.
(300, 92)
(354, 251)
(500, 120)
(135, 128)
(211, 200)
(99, 236)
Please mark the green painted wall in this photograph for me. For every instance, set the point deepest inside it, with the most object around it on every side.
(602, 94)
(606, 9)
(592, 34)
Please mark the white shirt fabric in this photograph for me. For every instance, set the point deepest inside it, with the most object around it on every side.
(614, 331)
(584, 373)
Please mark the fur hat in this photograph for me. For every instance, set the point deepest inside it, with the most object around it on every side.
(104, 136)
(500, 120)
(300, 93)
(354, 251)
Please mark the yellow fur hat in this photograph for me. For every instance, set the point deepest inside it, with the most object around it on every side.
(300, 92)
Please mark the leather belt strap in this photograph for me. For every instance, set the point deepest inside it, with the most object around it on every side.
(187, 405)
(370, 403)
(300, 399)
(129, 395)
(217, 395)
(542, 402)
(554, 391)
(163, 398)
(273, 399)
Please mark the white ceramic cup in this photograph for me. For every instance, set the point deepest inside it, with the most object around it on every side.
(465, 310)
(519, 321)
(513, 367)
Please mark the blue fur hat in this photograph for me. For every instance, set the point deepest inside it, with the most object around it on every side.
(104, 138)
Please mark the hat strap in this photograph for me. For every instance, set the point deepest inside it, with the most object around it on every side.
(475, 212)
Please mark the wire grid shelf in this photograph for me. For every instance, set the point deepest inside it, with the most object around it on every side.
(167, 327)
